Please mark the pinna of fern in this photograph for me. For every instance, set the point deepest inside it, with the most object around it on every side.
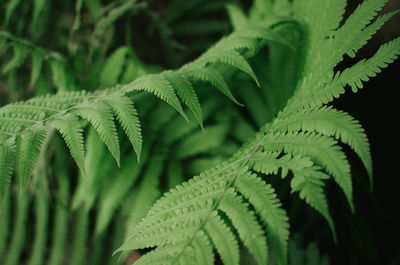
(230, 204)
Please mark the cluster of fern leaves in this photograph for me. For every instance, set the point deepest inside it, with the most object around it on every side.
(239, 114)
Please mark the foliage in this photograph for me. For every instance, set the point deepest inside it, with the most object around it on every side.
(276, 73)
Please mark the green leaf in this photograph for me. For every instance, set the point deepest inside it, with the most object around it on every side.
(29, 145)
(262, 196)
(212, 76)
(72, 132)
(310, 184)
(100, 116)
(127, 115)
(20, 53)
(223, 239)
(186, 92)
(11, 6)
(113, 67)
(7, 157)
(232, 58)
(245, 222)
(159, 86)
(237, 17)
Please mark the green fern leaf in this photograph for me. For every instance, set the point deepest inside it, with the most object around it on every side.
(269, 163)
(322, 150)
(59, 75)
(309, 183)
(100, 116)
(223, 239)
(186, 92)
(7, 157)
(159, 86)
(208, 74)
(237, 17)
(20, 53)
(262, 196)
(160, 256)
(232, 58)
(113, 67)
(356, 22)
(126, 114)
(353, 76)
(72, 132)
(246, 224)
(329, 122)
(203, 249)
(364, 69)
(29, 146)
(364, 35)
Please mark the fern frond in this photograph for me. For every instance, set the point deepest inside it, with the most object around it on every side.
(237, 17)
(21, 47)
(186, 92)
(113, 67)
(72, 132)
(208, 74)
(347, 39)
(364, 69)
(20, 54)
(329, 122)
(232, 58)
(353, 76)
(8, 150)
(203, 249)
(309, 183)
(245, 222)
(184, 211)
(100, 116)
(223, 239)
(126, 114)
(159, 86)
(29, 145)
(266, 204)
(322, 150)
